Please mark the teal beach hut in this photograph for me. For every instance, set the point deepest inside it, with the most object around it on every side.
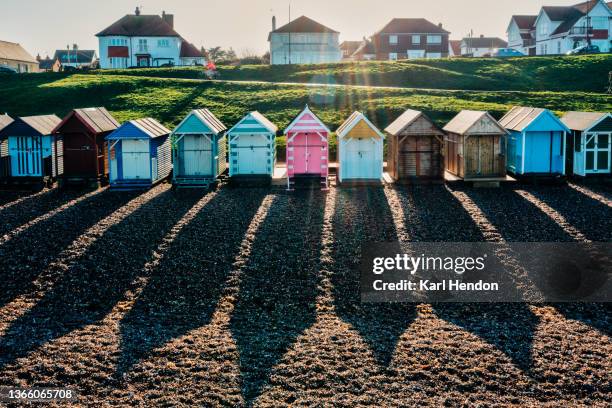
(199, 149)
(252, 147)
(536, 142)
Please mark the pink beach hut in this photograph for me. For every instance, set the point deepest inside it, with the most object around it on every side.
(307, 149)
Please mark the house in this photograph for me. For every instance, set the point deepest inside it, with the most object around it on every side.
(454, 48)
(589, 144)
(303, 41)
(535, 145)
(307, 149)
(409, 38)
(521, 34)
(82, 134)
(360, 149)
(13, 56)
(199, 147)
(138, 40)
(48, 64)
(365, 52)
(348, 48)
(74, 58)
(252, 147)
(32, 154)
(416, 146)
(139, 154)
(559, 29)
(474, 146)
(481, 46)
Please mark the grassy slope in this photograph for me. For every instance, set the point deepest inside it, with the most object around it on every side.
(582, 73)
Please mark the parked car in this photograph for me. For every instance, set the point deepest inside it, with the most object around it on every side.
(506, 53)
(7, 70)
(585, 49)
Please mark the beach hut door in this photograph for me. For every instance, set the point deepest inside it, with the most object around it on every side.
(597, 153)
(309, 151)
(136, 159)
(197, 155)
(26, 156)
(360, 159)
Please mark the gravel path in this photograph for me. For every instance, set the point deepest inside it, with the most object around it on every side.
(251, 297)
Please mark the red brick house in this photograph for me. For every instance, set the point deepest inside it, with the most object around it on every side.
(409, 38)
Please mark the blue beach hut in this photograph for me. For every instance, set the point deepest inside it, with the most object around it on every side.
(139, 154)
(199, 149)
(536, 142)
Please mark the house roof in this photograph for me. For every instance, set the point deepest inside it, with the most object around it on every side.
(264, 121)
(205, 117)
(43, 124)
(350, 44)
(406, 119)
(582, 121)
(188, 50)
(308, 124)
(412, 25)
(520, 117)
(15, 52)
(304, 24)
(352, 121)
(366, 47)
(455, 46)
(485, 42)
(5, 120)
(47, 63)
(525, 22)
(587, 6)
(571, 19)
(466, 119)
(98, 120)
(75, 56)
(141, 25)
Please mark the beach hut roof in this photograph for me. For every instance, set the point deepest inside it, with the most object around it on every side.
(261, 119)
(138, 129)
(352, 121)
(519, 118)
(406, 119)
(5, 120)
(204, 117)
(582, 121)
(97, 120)
(307, 120)
(32, 125)
(466, 121)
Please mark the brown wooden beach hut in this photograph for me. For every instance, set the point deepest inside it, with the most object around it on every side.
(474, 146)
(415, 148)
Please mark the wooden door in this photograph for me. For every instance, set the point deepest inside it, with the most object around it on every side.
(136, 159)
(196, 158)
(452, 155)
(252, 151)
(360, 160)
(308, 152)
(26, 152)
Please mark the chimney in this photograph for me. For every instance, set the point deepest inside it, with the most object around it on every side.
(481, 35)
(168, 18)
(273, 23)
(440, 25)
(75, 47)
(137, 12)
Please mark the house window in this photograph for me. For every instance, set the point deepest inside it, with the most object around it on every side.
(416, 39)
(118, 62)
(163, 43)
(434, 39)
(433, 55)
(393, 56)
(118, 42)
(543, 29)
(143, 46)
(393, 39)
(558, 47)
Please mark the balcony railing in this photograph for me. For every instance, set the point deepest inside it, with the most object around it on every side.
(580, 31)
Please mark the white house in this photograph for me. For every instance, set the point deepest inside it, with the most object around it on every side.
(481, 46)
(145, 41)
(521, 34)
(560, 29)
(303, 41)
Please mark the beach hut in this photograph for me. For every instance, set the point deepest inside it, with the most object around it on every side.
(32, 155)
(252, 147)
(307, 149)
(474, 147)
(589, 143)
(5, 163)
(415, 148)
(535, 145)
(199, 149)
(83, 133)
(360, 149)
(139, 154)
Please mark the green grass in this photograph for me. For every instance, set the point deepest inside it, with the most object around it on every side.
(580, 73)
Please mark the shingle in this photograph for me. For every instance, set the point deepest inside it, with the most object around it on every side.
(581, 120)
(304, 24)
(142, 25)
(412, 25)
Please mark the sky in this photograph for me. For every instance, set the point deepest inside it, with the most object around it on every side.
(42, 26)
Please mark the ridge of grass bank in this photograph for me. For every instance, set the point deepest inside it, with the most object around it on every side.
(588, 73)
